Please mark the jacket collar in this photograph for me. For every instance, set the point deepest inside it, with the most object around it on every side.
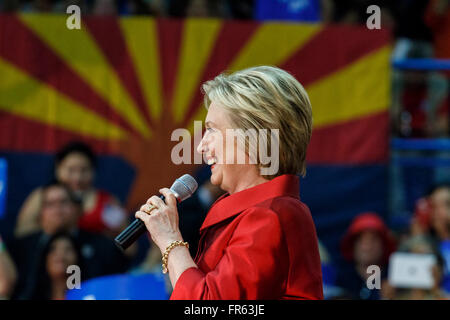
(229, 205)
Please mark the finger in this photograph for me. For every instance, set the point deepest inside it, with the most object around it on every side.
(147, 208)
(170, 198)
(156, 201)
(140, 215)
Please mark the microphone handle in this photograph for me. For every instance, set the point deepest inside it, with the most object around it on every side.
(131, 233)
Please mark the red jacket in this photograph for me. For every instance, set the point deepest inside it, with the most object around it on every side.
(259, 243)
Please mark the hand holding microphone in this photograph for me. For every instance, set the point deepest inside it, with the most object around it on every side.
(162, 220)
(159, 215)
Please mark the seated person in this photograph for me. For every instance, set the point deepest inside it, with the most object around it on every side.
(49, 281)
(432, 214)
(367, 242)
(60, 210)
(75, 167)
(419, 244)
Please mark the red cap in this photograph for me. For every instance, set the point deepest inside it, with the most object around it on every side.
(363, 222)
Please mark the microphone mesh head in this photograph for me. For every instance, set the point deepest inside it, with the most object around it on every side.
(184, 187)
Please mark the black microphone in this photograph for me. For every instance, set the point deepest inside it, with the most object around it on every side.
(182, 189)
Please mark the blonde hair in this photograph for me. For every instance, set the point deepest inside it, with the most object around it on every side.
(267, 97)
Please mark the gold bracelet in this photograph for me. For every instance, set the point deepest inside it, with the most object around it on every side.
(169, 248)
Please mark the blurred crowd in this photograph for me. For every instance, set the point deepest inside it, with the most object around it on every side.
(412, 25)
(414, 261)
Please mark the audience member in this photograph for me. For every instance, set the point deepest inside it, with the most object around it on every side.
(60, 210)
(49, 281)
(75, 167)
(432, 216)
(367, 242)
(419, 244)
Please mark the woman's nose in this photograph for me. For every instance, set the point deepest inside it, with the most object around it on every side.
(201, 148)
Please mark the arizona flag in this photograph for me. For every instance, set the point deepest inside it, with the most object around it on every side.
(122, 85)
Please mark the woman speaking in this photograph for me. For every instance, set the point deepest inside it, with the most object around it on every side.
(258, 241)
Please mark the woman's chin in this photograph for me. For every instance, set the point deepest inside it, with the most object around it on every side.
(215, 177)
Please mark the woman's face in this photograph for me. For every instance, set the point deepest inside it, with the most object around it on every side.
(76, 171)
(226, 172)
(58, 211)
(368, 248)
(61, 255)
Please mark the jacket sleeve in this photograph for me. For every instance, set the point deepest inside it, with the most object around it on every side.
(254, 264)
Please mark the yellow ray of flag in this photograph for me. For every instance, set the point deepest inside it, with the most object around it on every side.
(79, 50)
(25, 96)
(198, 39)
(360, 89)
(273, 43)
(142, 42)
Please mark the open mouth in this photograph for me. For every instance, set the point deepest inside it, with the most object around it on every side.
(211, 162)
